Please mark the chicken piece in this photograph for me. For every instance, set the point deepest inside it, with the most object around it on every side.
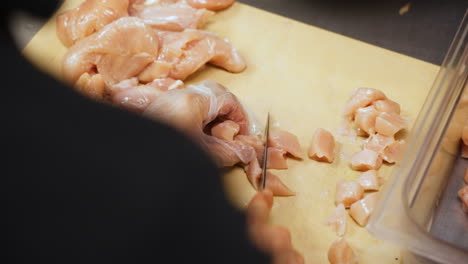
(323, 146)
(286, 141)
(466, 176)
(378, 143)
(211, 4)
(337, 221)
(276, 159)
(226, 130)
(113, 51)
(388, 124)
(387, 105)
(369, 180)
(361, 210)
(172, 17)
(91, 16)
(361, 97)
(394, 152)
(273, 183)
(348, 192)
(155, 70)
(463, 195)
(190, 50)
(92, 85)
(341, 253)
(364, 119)
(366, 160)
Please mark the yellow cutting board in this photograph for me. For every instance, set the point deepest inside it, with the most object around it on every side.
(303, 75)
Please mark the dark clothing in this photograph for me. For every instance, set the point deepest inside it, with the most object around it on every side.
(85, 182)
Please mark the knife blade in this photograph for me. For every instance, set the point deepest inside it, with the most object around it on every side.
(265, 154)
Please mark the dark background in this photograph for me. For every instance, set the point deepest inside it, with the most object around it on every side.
(425, 32)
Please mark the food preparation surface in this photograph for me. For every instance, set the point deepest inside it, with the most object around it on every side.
(303, 76)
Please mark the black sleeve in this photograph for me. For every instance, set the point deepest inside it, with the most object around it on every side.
(85, 182)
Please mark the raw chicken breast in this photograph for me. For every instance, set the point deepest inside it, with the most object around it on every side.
(91, 16)
(387, 105)
(211, 4)
(361, 97)
(254, 141)
(348, 192)
(91, 85)
(366, 160)
(225, 130)
(388, 124)
(463, 195)
(286, 141)
(172, 17)
(323, 146)
(361, 210)
(337, 221)
(276, 159)
(273, 183)
(190, 50)
(365, 119)
(113, 52)
(341, 253)
(378, 142)
(393, 153)
(369, 180)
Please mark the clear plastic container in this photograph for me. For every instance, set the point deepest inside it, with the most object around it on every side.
(419, 209)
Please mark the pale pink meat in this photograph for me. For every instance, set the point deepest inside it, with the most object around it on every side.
(361, 210)
(91, 85)
(225, 130)
(387, 105)
(172, 17)
(286, 141)
(369, 180)
(463, 195)
(211, 4)
(113, 52)
(341, 253)
(337, 221)
(276, 159)
(273, 183)
(378, 143)
(190, 50)
(91, 16)
(155, 70)
(361, 97)
(364, 119)
(388, 124)
(322, 147)
(348, 192)
(366, 160)
(255, 141)
(393, 153)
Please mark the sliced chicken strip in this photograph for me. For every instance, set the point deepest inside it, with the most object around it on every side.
(337, 221)
(387, 105)
(91, 16)
(369, 180)
(286, 141)
(276, 159)
(323, 146)
(348, 192)
(341, 253)
(211, 4)
(226, 130)
(361, 210)
(388, 124)
(366, 160)
(361, 97)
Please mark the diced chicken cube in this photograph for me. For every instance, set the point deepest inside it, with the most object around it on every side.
(366, 160)
(361, 97)
(348, 192)
(286, 141)
(323, 146)
(365, 119)
(337, 221)
(387, 105)
(463, 195)
(369, 180)
(361, 210)
(226, 130)
(378, 142)
(276, 159)
(341, 253)
(388, 124)
(394, 152)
